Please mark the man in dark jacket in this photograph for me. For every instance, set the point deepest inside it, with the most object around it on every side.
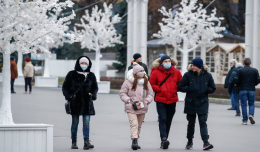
(247, 79)
(138, 59)
(14, 73)
(233, 87)
(197, 83)
(166, 94)
(233, 63)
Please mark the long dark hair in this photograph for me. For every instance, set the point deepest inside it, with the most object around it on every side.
(136, 81)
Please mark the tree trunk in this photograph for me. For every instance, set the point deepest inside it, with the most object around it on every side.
(97, 67)
(185, 57)
(6, 117)
(5, 109)
(20, 64)
(46, 68)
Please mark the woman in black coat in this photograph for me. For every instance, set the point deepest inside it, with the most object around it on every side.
(81, 103)
(197, 83)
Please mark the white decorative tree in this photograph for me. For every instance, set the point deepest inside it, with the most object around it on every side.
(191, 26)
(97, 32)
(25, 27)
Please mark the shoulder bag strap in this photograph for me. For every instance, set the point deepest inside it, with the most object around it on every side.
(79, 88)
(165, 79)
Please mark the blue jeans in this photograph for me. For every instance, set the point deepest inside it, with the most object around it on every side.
(236, 99)
(75, 123)
(233, 105)
(250, 96)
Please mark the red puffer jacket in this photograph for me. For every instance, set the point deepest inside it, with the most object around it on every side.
(167, 93)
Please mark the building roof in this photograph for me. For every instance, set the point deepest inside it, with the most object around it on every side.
(155, 43)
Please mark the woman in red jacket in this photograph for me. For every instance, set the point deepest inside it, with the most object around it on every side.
(164, 80)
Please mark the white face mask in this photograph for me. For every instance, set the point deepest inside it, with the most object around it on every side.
(140, 74)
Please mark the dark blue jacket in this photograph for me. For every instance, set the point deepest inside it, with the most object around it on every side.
(232, 87)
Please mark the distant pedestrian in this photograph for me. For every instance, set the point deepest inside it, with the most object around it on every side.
(233, 87)
(81, 103)
(14, 73)
(247, 78)
(197, 83)
(28, 74)
(164, 80)
(233, 63)
(138, 59)
(137, 94)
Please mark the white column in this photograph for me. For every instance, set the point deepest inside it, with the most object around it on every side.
(249, 28)
(129, 33)
(255, 34)
(137, 29)
(20, 64)
(203, 53)
(144, 18)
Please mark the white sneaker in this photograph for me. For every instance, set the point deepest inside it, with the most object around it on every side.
(251, 118)
(244, 123)
(25, 93)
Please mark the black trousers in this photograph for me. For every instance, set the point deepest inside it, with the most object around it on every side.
(203, 126)
(12, 85)
(166, 113)
(28, 82)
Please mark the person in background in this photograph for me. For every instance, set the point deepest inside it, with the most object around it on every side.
(81, 105)
(28, 75)
(233, 88)
(233, 63)
(136, 89)
(14, 73)
(138, 59)
(164, 80)
(197, 83)
(247, 78)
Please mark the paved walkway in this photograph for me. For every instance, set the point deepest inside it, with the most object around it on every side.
(110, 130)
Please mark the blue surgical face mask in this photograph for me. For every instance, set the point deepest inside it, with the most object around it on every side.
(83, 67)
(167, 65)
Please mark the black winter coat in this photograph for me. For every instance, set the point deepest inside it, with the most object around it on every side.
(247, 78)
(197, 88)
(82, 104)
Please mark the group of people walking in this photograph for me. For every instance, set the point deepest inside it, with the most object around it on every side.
(139, 90)
(165, 81)
(28, 74)
(241, 82)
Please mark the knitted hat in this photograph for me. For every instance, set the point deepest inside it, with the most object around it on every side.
(160, 55)
(12, 58)
(84, 59)
(136, 56)
(198, 62)
(27, 60)
(137, 68)
(165, 57)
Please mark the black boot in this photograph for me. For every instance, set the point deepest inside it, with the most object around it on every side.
(87, 144)
(134, 144)
(165, 143)
(74, 144)
(138, 147)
